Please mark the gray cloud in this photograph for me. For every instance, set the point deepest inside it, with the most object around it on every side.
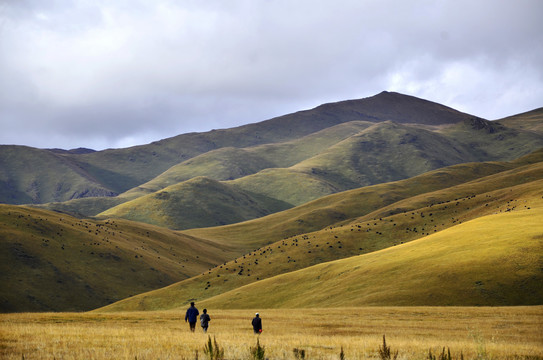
(118, 73)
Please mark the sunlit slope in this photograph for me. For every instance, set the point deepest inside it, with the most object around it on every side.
(382, 153)
(379, 153)
(196, 203)
(494, 260)
(232, 163)
(54, 262)
(351, 204)
(530, 121)
(401, 222)
(490, 140)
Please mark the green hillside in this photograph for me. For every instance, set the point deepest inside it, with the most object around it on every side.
(196, 203)
(529, 121)
(355, 226)
(455, 267)
(378, 153)
(350, 204)
(115, 171)
(29, 175)
(54, 262)
(232, 163)
(489, 140)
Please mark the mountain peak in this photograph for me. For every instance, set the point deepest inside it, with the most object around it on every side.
(395, 107)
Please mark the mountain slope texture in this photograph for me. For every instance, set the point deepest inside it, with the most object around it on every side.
(387, 200)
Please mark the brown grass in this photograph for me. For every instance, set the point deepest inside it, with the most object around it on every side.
(477, 333)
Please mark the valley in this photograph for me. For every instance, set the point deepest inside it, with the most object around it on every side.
(361, 197)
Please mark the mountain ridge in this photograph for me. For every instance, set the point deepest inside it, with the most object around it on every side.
(118, 170)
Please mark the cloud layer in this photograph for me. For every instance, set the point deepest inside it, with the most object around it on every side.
(104, 74)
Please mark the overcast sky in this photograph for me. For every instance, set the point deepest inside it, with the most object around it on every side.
(117, 73)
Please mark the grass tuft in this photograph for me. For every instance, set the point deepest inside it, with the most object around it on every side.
(212, 350)
(385, 353)
(258, 351)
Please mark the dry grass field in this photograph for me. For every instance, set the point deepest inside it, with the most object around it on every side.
(470, 332)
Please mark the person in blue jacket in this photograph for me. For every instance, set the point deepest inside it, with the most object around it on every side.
(192, 316)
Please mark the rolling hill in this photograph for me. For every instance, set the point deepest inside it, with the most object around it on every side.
(394, 214)
(377, 153)
(54, 262)
(267, 202)
(455, 267)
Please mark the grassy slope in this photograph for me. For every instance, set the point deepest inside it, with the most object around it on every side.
(232, 163)
(195, 203)
(492, 260)
(51, 261)
(221, 164)
(29, 175)
(489, 140)
(530, 121)
(350, 204)
(382, 153)
(378, 153)
(369, 155)
(403, 221)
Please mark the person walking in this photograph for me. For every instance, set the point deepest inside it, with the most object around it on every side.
(192, 316)
(257, 324)
(204, 320)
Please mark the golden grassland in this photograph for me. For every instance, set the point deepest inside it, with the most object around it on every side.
(449, 234)
(474, 332)
(492, 260)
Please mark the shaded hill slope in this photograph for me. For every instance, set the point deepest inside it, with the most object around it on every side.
(118, 170)
(457, 266)
(29, 175)
(377, 224)
(54, 262)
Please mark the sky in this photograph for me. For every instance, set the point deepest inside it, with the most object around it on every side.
(117, 73)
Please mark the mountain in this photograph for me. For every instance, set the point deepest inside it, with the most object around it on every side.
(368, 220)
(341, 182)
(61, 176)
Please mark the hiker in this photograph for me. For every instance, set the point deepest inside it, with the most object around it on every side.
(257, 324)
(192, 316)
(204, 320)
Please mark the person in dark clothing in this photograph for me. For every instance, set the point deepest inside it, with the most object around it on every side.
(192, 316)
(257, 324)
(204, 320)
